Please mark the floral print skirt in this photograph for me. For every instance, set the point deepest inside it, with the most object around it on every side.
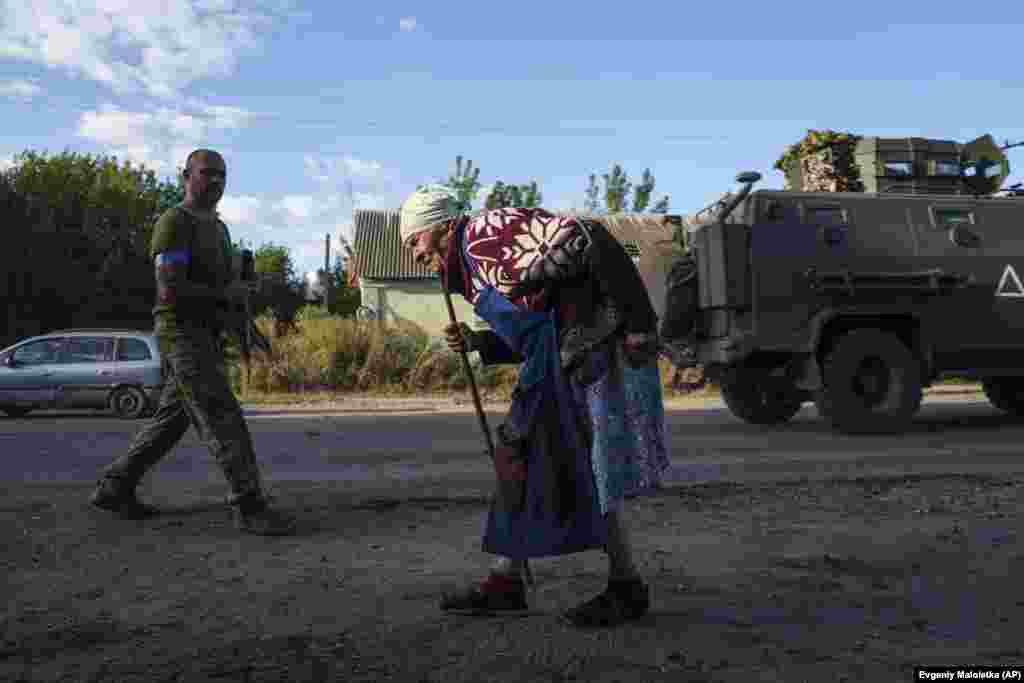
(629, 452)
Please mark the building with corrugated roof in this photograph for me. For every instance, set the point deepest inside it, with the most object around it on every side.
(394, 287)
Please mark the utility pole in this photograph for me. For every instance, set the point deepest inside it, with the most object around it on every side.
(327, 272)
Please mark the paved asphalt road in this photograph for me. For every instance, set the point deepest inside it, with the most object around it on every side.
(442, 453)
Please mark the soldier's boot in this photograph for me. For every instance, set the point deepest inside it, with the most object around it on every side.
(118, 496)
(254, 516)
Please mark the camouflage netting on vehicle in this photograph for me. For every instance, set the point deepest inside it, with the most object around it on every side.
(823, 161)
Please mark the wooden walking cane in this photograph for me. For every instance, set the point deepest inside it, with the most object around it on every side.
(476, 400)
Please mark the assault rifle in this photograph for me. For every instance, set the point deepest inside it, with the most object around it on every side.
(248, 334)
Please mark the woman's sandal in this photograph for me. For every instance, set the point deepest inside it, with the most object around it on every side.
(620, 602)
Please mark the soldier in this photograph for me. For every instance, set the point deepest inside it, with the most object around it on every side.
(196, 299)
(586, 427)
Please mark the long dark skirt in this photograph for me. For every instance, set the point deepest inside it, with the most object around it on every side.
(557, 509)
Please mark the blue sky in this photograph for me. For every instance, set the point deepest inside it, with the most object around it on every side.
(320, 107)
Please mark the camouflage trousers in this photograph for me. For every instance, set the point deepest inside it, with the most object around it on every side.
(196, 392)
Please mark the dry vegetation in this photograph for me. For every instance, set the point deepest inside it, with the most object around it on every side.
(337, 355)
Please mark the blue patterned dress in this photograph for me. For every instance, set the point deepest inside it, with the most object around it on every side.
(588, 414)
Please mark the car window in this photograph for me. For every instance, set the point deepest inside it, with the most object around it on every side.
(129, 349)
(900, 169)
(826, 215)
(88, 350)
(946, 218)
(774, 210)
(38, 352)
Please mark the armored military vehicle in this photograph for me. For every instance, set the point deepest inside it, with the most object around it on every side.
(857, 301)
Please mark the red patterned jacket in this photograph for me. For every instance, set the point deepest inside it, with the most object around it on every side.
(539, 261)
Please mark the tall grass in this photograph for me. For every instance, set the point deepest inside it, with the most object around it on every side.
(340, 355)
(346, 356)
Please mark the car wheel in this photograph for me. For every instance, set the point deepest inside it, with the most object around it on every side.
(129, 403)
(17, 412)
(1005, 393)
(872, 384)
(755, 396)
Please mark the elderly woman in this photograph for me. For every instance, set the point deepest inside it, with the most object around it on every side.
(586, 426)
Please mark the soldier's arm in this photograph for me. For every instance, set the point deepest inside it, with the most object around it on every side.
(173, 285)
(171, 263)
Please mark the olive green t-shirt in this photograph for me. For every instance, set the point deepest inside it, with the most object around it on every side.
(204, 244)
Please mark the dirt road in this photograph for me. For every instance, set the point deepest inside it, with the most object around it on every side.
(783, 555)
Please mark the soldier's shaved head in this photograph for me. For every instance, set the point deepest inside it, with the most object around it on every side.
(208, 154)
(204, 177)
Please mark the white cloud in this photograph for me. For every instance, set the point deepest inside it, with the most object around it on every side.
(6, 163)
(300, 207)
(300, 221)
(162, 138)
(343, 169)
(241, 209)
(407, 24)
(136, 45)
(20, 89)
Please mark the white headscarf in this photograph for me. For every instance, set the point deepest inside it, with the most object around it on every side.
(426, 207)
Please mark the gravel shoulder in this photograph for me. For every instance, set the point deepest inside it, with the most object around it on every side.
(464, 403)
(845, 580)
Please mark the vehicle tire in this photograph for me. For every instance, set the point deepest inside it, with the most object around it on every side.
(754, 396)
(872, 384)
(1005, 393)
(129, 403)
(17, 412)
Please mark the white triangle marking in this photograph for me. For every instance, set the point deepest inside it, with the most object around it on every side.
(1015, 288)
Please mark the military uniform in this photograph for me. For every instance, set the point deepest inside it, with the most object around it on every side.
(196, 389)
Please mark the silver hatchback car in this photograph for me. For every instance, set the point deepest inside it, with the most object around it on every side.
(116, 370)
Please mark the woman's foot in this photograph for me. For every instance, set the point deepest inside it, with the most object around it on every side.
(623, 600)
(496, 594)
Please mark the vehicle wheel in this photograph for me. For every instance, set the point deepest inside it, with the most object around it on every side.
(129, 403)
(754, 396)
(872, 383)
(17, 412)
(1005, 393)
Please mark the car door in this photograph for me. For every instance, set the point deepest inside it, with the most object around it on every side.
(28, 381)
(135, 364)
(957, 236)
(1002, 251)
(791, 234)
(85, 375)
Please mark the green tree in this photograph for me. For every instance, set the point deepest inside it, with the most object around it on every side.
(275, 262)
(465, 182)
(618, 190)
(525, 196)
(345, 298)
(80, 251)
(169, 193)
(281, 292)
